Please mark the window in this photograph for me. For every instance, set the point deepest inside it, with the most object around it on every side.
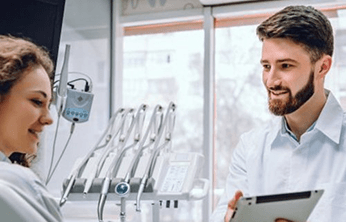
(160, 68)
(168, 71)
(240, 95)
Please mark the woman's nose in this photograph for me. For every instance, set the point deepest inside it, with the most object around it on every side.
(46, 119)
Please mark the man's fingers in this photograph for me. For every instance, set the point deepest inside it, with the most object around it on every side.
(233, 202)
(282, 220)
(231, 205)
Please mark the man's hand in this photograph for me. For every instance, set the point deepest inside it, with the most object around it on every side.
(232, 204)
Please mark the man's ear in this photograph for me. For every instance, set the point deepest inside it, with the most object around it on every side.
(324, 65)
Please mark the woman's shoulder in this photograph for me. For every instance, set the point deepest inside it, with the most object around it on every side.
(18, 176)
(30, 190)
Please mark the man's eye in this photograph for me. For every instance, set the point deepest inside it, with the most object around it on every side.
(285, 66)
(267, 67)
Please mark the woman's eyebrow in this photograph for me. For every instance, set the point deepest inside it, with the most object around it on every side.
(44, 94)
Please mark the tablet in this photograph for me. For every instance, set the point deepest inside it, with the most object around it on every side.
(291, 206)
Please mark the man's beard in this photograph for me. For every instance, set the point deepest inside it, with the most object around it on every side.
(282, 107)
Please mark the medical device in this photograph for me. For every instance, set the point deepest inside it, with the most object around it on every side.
(78, 106)
(122, 136)
(169, 120)
(71, 103)
(136, 163)
(122, 188)
(105, 138)
(113, 168)
(62, 88)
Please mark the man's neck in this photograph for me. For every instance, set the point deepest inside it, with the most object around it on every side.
(300, 120)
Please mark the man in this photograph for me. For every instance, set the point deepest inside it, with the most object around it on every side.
(304, 148)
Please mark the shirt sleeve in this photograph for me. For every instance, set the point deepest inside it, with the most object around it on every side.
(236, 180)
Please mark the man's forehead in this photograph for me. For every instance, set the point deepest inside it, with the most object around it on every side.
(281, 50)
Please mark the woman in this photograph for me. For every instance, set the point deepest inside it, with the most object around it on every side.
(25, 94)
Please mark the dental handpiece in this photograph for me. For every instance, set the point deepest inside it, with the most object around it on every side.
(134, 162)
(76, 172)
(168, 123)
(64, 197)
(147, 174)
(102, 199)
(114, 166)
(122, 189)
(104, 155)
(107, 181)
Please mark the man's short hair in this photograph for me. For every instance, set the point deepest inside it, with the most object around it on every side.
(303, 25)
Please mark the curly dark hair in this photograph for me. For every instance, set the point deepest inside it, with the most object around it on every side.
(303, 25)
(16, 56)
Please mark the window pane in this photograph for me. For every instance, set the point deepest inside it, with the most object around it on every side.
(335, 79)
(161, 68)
(240, 95)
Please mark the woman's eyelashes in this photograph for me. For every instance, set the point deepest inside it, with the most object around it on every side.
(37, 102)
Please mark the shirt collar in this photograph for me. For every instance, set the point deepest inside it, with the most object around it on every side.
(290, 133)
(331, 118)
(329, 122)
(4, 158)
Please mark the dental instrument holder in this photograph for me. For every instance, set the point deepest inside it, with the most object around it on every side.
(173, 177)
(107, 150)
(136, 125)
(165, 128)
(76, 172)
(151, 135)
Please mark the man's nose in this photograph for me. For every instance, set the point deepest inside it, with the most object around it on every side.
(272, 79)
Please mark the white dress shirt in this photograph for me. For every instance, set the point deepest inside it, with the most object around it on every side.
(23, 196)
(269, 160)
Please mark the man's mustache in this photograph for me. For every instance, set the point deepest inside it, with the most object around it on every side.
(278, 88)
